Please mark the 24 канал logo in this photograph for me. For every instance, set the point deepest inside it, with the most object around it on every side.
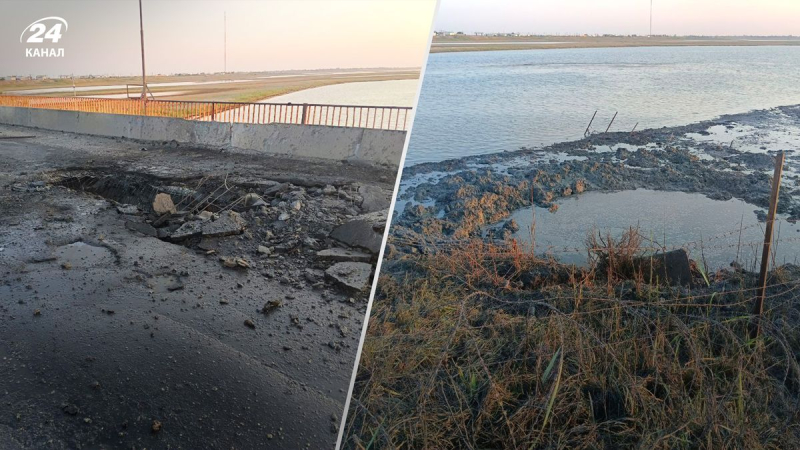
(46, 29)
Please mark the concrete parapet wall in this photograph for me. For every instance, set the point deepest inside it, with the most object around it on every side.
(370, 146)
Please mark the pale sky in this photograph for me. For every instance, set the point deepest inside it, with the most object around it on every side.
(187, 35)
(681, 17)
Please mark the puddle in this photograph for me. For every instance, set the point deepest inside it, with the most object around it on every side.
(706, 227)
(81, 254)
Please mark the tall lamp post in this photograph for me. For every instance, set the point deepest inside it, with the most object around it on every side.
(144, 77)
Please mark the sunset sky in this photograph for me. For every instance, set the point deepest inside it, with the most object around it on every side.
(187, 36)
(681, 17)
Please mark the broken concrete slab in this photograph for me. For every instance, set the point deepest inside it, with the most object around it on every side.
(163, 204)
(350, 275)
(337, 254)
(364, 231)
(228, 223)
(374, 198)
(141, 227)
(187, 230)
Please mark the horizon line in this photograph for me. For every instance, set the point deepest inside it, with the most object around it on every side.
(524, 33)
(107, 75)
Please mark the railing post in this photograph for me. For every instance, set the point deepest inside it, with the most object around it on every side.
(303, 111)
(212, 111)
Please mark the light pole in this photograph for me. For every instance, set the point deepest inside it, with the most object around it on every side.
(651, 18)
(144, 77)
(225, 42)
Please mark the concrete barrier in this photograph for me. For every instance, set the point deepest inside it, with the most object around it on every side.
(363, 145)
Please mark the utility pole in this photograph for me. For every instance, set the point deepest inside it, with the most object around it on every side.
(651, 18)
(144, 77)
(225, 42)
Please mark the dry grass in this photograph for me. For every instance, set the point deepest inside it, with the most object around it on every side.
(485, 347)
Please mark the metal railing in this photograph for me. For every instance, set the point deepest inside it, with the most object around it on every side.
(377, 117)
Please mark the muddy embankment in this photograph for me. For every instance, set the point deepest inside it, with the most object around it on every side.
(728, 157)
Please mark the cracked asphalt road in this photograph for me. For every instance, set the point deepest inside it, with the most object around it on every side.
(101, 349)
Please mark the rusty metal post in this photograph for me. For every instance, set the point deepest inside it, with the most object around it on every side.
(758, 309)
(303, 112)
(612, 121)
(590, 124)
(212, 111)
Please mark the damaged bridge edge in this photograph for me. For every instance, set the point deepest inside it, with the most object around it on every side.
(355, 145)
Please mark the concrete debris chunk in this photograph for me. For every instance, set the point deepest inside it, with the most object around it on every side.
(187, 230)
(373, 198)
(234, 262)
(364, 231)
(205, 215)
(228, 223)
(271, 305)
(337, 254)
(253, 200)
(353, 276)
(128, 209)
(163, 204)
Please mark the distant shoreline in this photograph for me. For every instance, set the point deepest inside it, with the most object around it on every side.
(230, 87)
(466, 43)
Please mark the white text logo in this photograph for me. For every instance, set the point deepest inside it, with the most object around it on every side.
(44, 31)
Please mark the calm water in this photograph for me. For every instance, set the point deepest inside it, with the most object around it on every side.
(673, 219)
(364, 93)
(485, 102)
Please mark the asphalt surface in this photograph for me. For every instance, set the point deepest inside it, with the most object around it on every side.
(113, 339)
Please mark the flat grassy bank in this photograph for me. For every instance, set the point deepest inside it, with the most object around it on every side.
(248, 87)
(467, 43)
(482, 346)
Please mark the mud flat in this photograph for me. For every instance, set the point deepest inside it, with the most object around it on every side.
(727, 158)
(166, 297)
